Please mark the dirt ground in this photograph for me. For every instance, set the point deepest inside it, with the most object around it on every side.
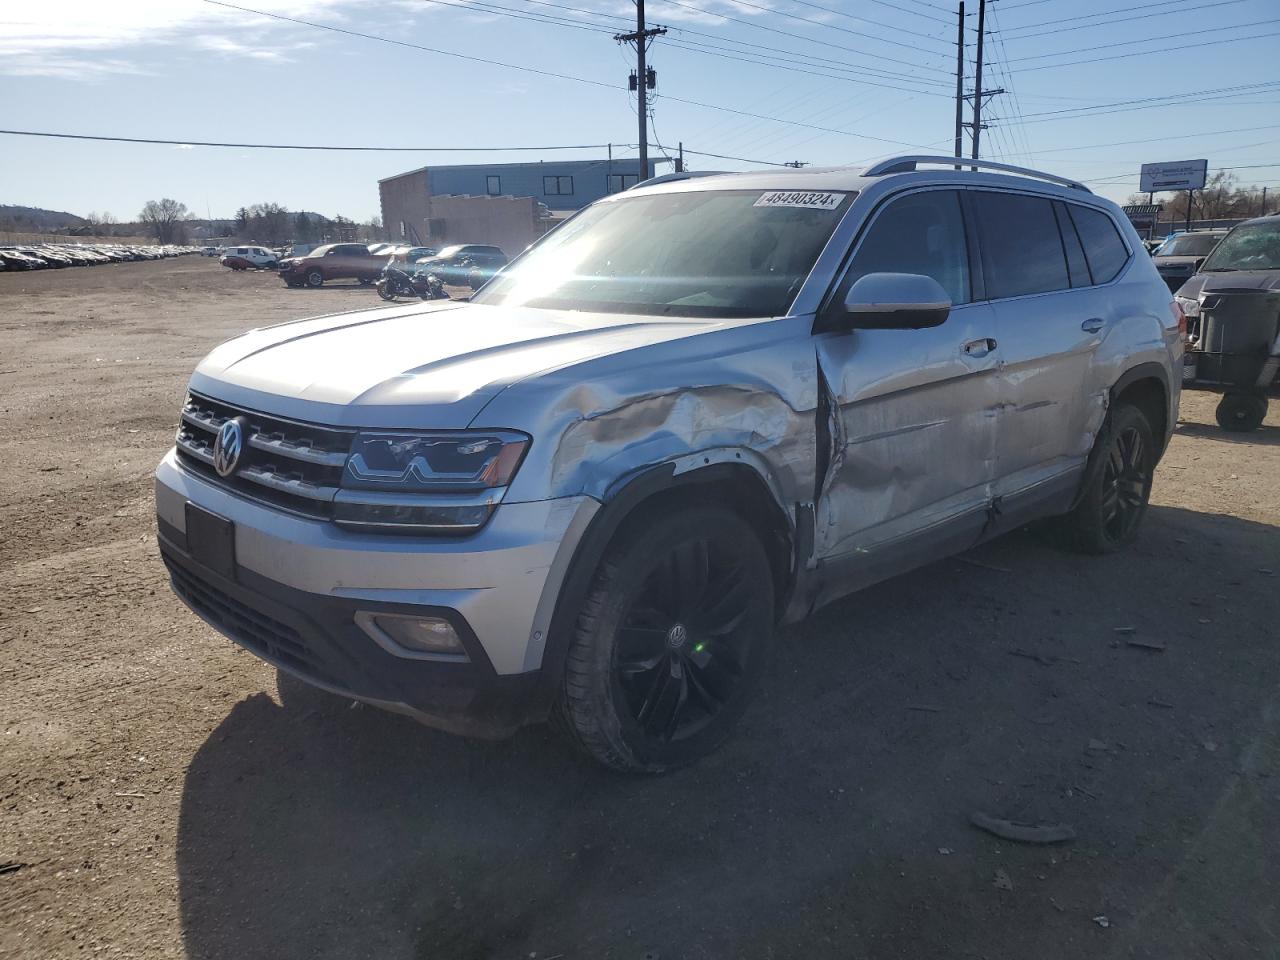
(163, 794)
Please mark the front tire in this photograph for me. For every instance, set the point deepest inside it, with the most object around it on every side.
(668, 649)
(1110, 511)
(385, 291)
(315, 278)
(1240, 413)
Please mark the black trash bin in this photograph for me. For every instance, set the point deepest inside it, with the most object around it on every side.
(1235, 350)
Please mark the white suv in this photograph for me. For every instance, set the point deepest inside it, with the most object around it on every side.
(698, 409)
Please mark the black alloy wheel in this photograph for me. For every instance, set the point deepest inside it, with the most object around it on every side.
(679, 655)
(1117, 485)
(1126, 483)
(314, 278)
(669, 646)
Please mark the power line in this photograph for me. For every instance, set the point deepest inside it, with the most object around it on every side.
(546, 73)
(1146, 103)
(299, 146)
(823, 24)
(1175, 136)
(796, 36)
(363, 149)
(1140, 53)
(841, 13)
(1130, 43)
(1163, 4)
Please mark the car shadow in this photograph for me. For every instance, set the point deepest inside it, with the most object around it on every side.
(833, 823)
(1265, 435)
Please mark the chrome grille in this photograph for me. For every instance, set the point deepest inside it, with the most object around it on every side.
(292, 465)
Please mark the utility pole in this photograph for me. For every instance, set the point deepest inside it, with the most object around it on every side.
(959, 151)
(977, 78)
(1263, 211)
(979, 95)
(643, 80)
(680, 159)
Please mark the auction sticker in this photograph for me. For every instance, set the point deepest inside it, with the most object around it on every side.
(799, 198)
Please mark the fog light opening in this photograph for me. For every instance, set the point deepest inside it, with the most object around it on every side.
(430, 638)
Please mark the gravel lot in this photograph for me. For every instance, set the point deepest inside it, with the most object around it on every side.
(164, 795)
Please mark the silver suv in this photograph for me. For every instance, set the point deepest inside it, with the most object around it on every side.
(696, 410)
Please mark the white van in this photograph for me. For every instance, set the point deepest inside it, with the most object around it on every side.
(248, 258)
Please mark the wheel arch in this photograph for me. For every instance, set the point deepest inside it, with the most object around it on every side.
(1146, 386)
(728, 476)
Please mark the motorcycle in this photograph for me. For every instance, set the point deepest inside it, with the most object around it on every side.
(395, 282)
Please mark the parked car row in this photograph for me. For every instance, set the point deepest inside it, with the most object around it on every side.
(54, 255)
(470, 264)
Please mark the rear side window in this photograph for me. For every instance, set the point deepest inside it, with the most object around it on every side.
(1076, 265)
(1021, 248)
(919, 233)
(1103, 247)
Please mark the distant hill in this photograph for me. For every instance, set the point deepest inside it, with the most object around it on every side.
(37, 219)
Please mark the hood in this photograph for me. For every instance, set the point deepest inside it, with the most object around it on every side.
(1230, 280)
(424, 365)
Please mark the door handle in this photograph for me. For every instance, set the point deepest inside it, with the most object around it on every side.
(1093, 325)
(979, 348)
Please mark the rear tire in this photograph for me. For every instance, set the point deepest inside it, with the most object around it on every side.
(670, 644)
(1240, 413)
(1119, 475)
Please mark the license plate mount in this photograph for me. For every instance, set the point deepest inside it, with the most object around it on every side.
(211, 541)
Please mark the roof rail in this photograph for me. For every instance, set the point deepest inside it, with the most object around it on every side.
(906, 164)
(669, 177)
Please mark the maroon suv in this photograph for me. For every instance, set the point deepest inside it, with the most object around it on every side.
(333, 261)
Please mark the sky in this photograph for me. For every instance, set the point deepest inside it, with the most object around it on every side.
(828, 82)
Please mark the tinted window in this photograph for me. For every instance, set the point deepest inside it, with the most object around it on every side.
(1021, 249)
(921, 233)
(1103, 247)
(1076, 265)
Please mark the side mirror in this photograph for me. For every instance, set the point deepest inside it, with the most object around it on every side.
(893, 301)
(1195, 268)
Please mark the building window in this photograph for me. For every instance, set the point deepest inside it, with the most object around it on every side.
(557, 186)
(493, 185)
(622, 181)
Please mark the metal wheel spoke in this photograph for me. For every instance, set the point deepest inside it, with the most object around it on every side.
(1110, 503)
(699, 687)
(660, 712)
(727, 599)
(641, 665)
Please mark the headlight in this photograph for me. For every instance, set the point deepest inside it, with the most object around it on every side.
(427, 482)
(1190, 305)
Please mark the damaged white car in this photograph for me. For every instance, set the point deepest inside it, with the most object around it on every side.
(696, 410)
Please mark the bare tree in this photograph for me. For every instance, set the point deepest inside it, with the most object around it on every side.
(164, 218)
(103, 224)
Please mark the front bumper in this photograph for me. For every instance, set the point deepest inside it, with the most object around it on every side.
(298, 583)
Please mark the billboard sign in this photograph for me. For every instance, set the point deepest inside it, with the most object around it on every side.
(1174, 175)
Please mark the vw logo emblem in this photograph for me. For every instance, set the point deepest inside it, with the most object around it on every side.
(228, 447)
(677, 636)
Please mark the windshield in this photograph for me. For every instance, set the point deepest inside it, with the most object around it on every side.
(1189, 245)
(730, 253)
(1250, 246)
(449, 251)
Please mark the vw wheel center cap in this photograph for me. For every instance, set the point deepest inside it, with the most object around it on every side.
(228, 446)
(677, 636)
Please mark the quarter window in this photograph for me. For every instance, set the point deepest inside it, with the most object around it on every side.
(1103, 247)
(1076, 265)
(919, 233)
(557, 186)
(1021, 249)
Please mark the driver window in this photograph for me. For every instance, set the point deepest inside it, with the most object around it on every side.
(920, 233)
